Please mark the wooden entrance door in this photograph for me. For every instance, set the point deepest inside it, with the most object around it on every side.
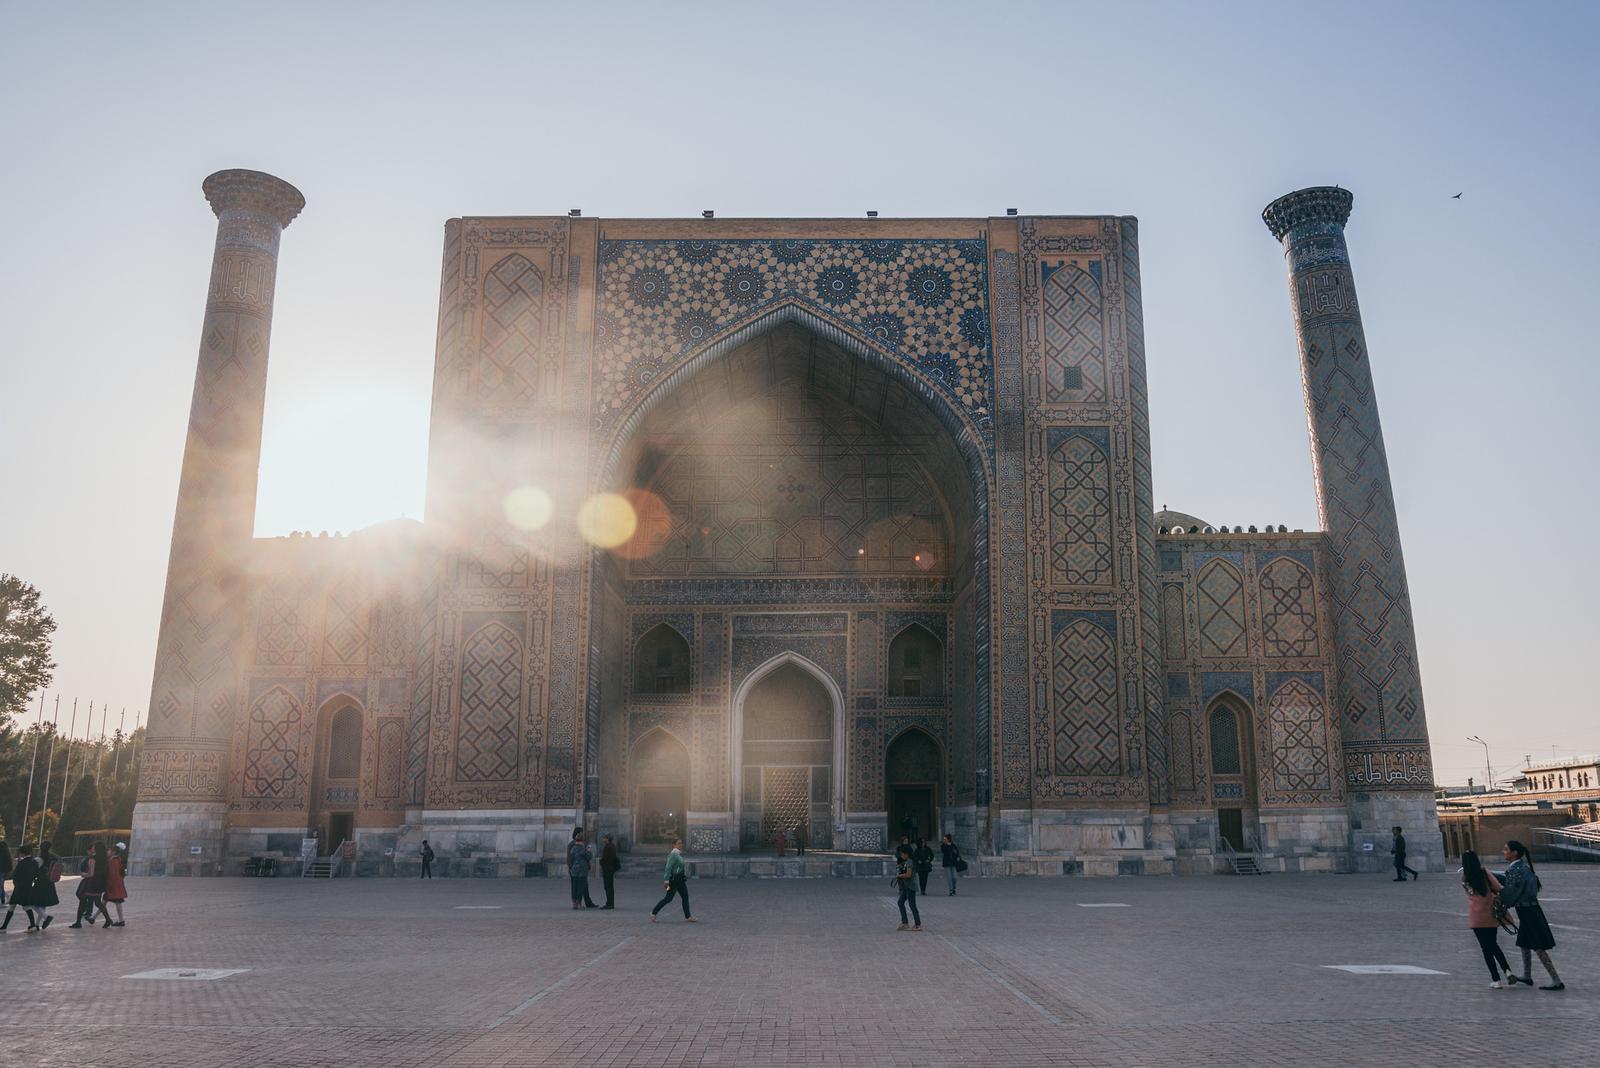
(1230, 825)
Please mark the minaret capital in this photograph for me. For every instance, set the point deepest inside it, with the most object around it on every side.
(1321, 204)
(254, 191)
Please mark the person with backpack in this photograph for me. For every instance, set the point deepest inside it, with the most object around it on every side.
(427, 860)
(5, 868)
(922, 861)
(1533, 930)
(676, 882)
(950, 858)
(23, 876)
(44, 885)
(906, 878)
(610, 864)
(1481, 887)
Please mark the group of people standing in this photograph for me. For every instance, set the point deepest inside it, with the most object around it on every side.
(34, 878)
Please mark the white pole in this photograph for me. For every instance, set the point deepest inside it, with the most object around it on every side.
(44, 806)
(66, 775)
(37, 724)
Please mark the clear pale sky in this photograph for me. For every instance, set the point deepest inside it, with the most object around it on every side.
(394, 117)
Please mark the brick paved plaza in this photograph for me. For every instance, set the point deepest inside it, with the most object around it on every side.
(1014, 971)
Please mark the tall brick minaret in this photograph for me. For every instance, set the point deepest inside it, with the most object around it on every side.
(1388, 770)
(178, 820)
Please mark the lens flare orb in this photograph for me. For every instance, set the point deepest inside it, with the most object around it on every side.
(607, 520)
(528, 507)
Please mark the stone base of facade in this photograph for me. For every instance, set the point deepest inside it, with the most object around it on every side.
(487, 843)
(1373, 817)
(177, 838)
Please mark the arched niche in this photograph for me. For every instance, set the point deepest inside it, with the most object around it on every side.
(916, 664)
(659, 766)
(787, 752)
(336, 788)
(661, 663)
(913, 778)
(1230, 760)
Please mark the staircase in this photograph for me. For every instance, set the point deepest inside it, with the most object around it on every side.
(1241, 863)
(324, 867)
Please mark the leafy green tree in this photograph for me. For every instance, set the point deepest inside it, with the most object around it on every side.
(31, 833)
(80, 813)
(26, 666)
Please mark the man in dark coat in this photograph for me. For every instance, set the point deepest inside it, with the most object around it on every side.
(1399, 851)
(610, 864)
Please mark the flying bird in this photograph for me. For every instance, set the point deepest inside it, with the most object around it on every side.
(1457, 196)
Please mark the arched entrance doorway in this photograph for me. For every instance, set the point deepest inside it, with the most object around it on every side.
(788, 749)
(337, 793)
(913, 774)
(661, 791)
(1233, 781)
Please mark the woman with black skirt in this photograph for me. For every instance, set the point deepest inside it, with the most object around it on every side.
(1533, 930)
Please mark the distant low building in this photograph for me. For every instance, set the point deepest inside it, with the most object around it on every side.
(1545, 794)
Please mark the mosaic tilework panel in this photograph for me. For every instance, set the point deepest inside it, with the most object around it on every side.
(1288, 609)
(1074, 333)
(922, 301)
(273, 769)
(1221, 612)
(1085, 734)
(491, 703)
(1297, 742)
(1082, 545)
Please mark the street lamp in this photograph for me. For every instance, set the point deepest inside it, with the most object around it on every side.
(1488, 782)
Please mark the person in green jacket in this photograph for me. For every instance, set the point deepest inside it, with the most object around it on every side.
(677, 882)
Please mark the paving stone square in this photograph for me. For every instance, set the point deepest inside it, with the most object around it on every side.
(795, 971)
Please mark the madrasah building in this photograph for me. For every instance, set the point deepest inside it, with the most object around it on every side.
(739, 526)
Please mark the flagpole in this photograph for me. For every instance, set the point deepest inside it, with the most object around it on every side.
(116, 764)
(66, 775)
(38, 723)
(50, 762)
(100, 757)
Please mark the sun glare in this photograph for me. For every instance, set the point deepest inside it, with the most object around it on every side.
(343, 461)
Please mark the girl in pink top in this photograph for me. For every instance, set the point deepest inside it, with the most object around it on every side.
(1481, 887)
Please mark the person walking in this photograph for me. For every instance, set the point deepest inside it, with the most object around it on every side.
(1481, 887)
(427, 855)
(44, 885)
(610, 864)
(1521, 892)
(676, 883)
(922, 860)
(23, 876)
(905, 878)
(1399, 851)
(800, 839)
(579, 858)
(5, 868)
(781, 834)
(950, 858)
(116, 889)
(92, 887)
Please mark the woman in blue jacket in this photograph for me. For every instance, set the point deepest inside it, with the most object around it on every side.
(1533, 930)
